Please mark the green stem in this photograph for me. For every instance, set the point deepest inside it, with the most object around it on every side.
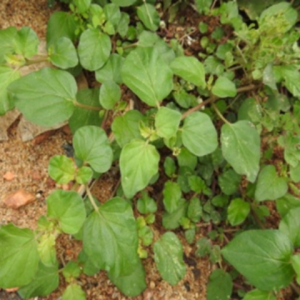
(130, 46)
(36, 61)
(91, 198)
(86, 106)
(220, 115)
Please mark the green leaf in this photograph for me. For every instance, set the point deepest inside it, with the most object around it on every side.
(91, 145)
(194, 211)
(61, 24)
(111, 69)
(196, 183)
(133, 284)
(229, 182)
(172, 220)
(46, 248)
(7, 41)
(237, 211)
(285, 203)
(62, 53)
(67, 208)
(168, 256)
(122, 27)
(7, 76)
(93, 49)
(82, 117)
(263, 257)
(199, 134)
(127, 127)
(146, 205)
(167, 122)
(204, 247)
(110, 238)
(224, 88)
(45, 97)
(172, 196)
(219, 286)
(73, 292)
(289, 225)
(240, 144)
(138, 163)
(269, 186)
(190, 69)
(203, 5)
(123, 3)
(44, 283)
(110, 94)
(296, 266)
(149, 16)
(187, 159)
(169, 166)
(18, 256)
(71, 271)
(250, 110)
(26, 42)
(61, 169)
(146, 73)
(84, 174)
(259, 295)
(113, 14)
(82, 5)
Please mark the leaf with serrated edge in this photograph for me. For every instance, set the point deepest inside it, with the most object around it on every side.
(110, 238)
(91, 145)
(45, 97)
(68, 209)
(18, 256)
(240, 144)
(168, 256)
(199, 135)
(138, 163)
(146, 73)
(263, 257)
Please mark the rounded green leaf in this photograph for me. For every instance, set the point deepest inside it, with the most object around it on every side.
(84, 174)
(45, 282)
(237, 211)
(168, 256)
(199, 135)
(172, 196)
(110, 94)
(259, 295)
(127, 127)
(219, 285)
(67, 208)
(146, 73)
(167, 122)
(73, 292)
(138, 163)
(93, 49)
(82, 5)
(224, 88)
(18, 256)
(240, 144)
(149, 16)
(61, 169)
(26, 42)
(269, 186)
(110, 238)
(190, 69)
(289, 225)
(263, 257)
(111, 70)
(61, 24)
(45, 97)
(91, 145)
(7, 76)
(133, 284)
(146, 205)
(62, 53)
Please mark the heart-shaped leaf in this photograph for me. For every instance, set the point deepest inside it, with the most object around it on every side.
(61, 169)
(199, 134)
(241, 148)
(168, 256)
(138, 163)
(146, 73)
(45, 97)
(110, 238)
(269, 185)
(224, 88)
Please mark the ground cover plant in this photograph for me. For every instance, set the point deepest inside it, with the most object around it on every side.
(209, 134)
